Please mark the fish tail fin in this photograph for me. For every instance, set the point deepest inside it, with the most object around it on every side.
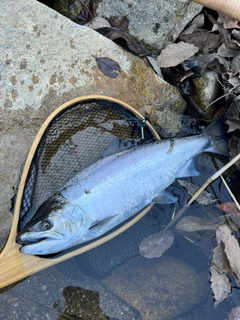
(218, 135)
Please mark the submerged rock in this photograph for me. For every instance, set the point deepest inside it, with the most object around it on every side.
(159, 288)
(47, 60)
(50, 294)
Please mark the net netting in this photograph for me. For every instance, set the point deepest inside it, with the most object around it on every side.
(79, 135)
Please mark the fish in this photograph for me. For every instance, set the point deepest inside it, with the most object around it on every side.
(115, 188)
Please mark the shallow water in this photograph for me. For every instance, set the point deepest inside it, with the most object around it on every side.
(122, 285)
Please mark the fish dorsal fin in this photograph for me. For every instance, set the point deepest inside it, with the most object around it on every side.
(165, 197)
(189, 170)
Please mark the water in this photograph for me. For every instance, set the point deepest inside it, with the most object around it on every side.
(177, 284)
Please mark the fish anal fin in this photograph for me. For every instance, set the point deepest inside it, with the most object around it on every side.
(165, 197)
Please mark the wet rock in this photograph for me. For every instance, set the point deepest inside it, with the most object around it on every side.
(48, 60)
(207, 90)
(155, 23)
(160, 288)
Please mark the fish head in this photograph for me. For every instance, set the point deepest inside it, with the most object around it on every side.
(54, 232)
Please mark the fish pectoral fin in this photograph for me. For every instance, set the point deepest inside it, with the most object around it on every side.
(165, 197)
(189, 170)
(100, 223)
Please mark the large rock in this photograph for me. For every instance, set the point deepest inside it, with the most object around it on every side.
(48, 60)
(153, 23)
(160, 289)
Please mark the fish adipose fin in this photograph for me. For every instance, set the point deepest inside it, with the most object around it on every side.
(165, 197)
(218, 135)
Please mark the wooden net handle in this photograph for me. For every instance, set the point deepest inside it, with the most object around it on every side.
(230, 8)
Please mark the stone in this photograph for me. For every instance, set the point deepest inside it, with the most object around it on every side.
(207, 88)
(153, 24)
(159, 288)
(47, 60)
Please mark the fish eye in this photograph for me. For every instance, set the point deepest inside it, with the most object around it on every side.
(46, 225)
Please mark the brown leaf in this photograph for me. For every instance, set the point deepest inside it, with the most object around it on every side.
(225, 51)
(86, 14)
(236, 65)
(175, 54)
(205, 197)
(131, 45)
(220, 284)
(121, 22)
(155, 245)
(229, 207)
(234, 143)
(123, 40)
(234, 314)
(203, 62)
(97, 22)
(108, 66)
(228, 22)
(197, 23)
(191, 223)
(219, 268)
(231, 248)
(203, 40)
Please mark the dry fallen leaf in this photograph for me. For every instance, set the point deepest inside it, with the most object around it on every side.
(203, 62)
(225, 51)
(197, 23)
(229, 207)
(125, 41)
(155, 245)
(205, 197)
(98, 22)
(236, 66)
(203, 40)
(234, 314)
(228, 22)
(231, 248)
(108, 66)
(234, 141)
(191, 223)
(220, 283)
(121, 22)
(175, 54)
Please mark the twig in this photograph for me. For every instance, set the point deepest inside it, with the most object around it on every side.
(230, 192)
(200, 190)
(224, 95)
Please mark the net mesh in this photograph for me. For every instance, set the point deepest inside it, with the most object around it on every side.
(75, 138)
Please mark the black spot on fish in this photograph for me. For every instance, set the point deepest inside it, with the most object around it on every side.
(87, 191)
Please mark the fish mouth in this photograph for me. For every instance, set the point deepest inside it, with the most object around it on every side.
(22, 241)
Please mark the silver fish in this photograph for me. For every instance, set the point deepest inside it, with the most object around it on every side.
(113, 189)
